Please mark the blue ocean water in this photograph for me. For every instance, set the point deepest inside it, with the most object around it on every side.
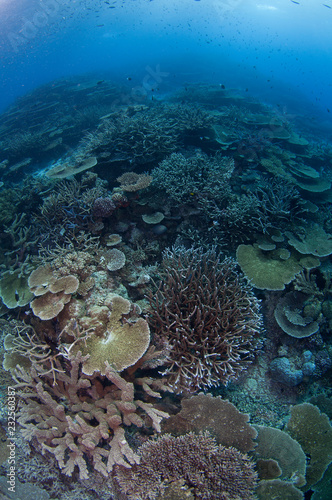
(165, 249)
(279, 50)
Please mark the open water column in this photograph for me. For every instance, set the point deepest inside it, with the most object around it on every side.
(165, 249)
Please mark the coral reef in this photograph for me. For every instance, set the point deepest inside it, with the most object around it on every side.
(288, 454)
(267, 270)
(183, 177)
(313, 431)
(116, 304)
(208, 315)
(123, 342)
(213, 471)
(130, 181)
(220, 417)
(297, 316)
(77, 418)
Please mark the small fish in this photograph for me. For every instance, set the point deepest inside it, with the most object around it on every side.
(298, 3)
(328, 6)
(100, 25)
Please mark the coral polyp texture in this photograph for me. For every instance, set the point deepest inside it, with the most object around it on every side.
(214, 472)
(205, 310)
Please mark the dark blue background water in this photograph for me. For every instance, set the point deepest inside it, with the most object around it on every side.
(278, 50)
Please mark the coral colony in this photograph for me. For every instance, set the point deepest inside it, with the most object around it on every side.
(166, 298)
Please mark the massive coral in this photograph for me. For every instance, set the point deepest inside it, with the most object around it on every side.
(208, 315)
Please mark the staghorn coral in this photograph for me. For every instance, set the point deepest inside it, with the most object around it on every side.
(190, 118)
(214, 471)
(135, 135)
(200, 175)
(23, 347)
(24, 144)
(208, 314)
(68, 209)
(80, 419)
(270, 205)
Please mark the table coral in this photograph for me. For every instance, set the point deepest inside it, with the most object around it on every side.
(266, 270)
(313, 431)
(292, 317)
(220, 417)
(14, 289)
(51, 293)
(121, 341)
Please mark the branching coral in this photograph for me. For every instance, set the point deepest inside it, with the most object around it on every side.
(68, 209)
(214, 472)
(208, 314)
(80, 419)
(140, 135)
(182, 177)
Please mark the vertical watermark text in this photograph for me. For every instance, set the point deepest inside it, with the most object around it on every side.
(11, 432)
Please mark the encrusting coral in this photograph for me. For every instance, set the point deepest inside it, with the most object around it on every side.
(208, 315)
